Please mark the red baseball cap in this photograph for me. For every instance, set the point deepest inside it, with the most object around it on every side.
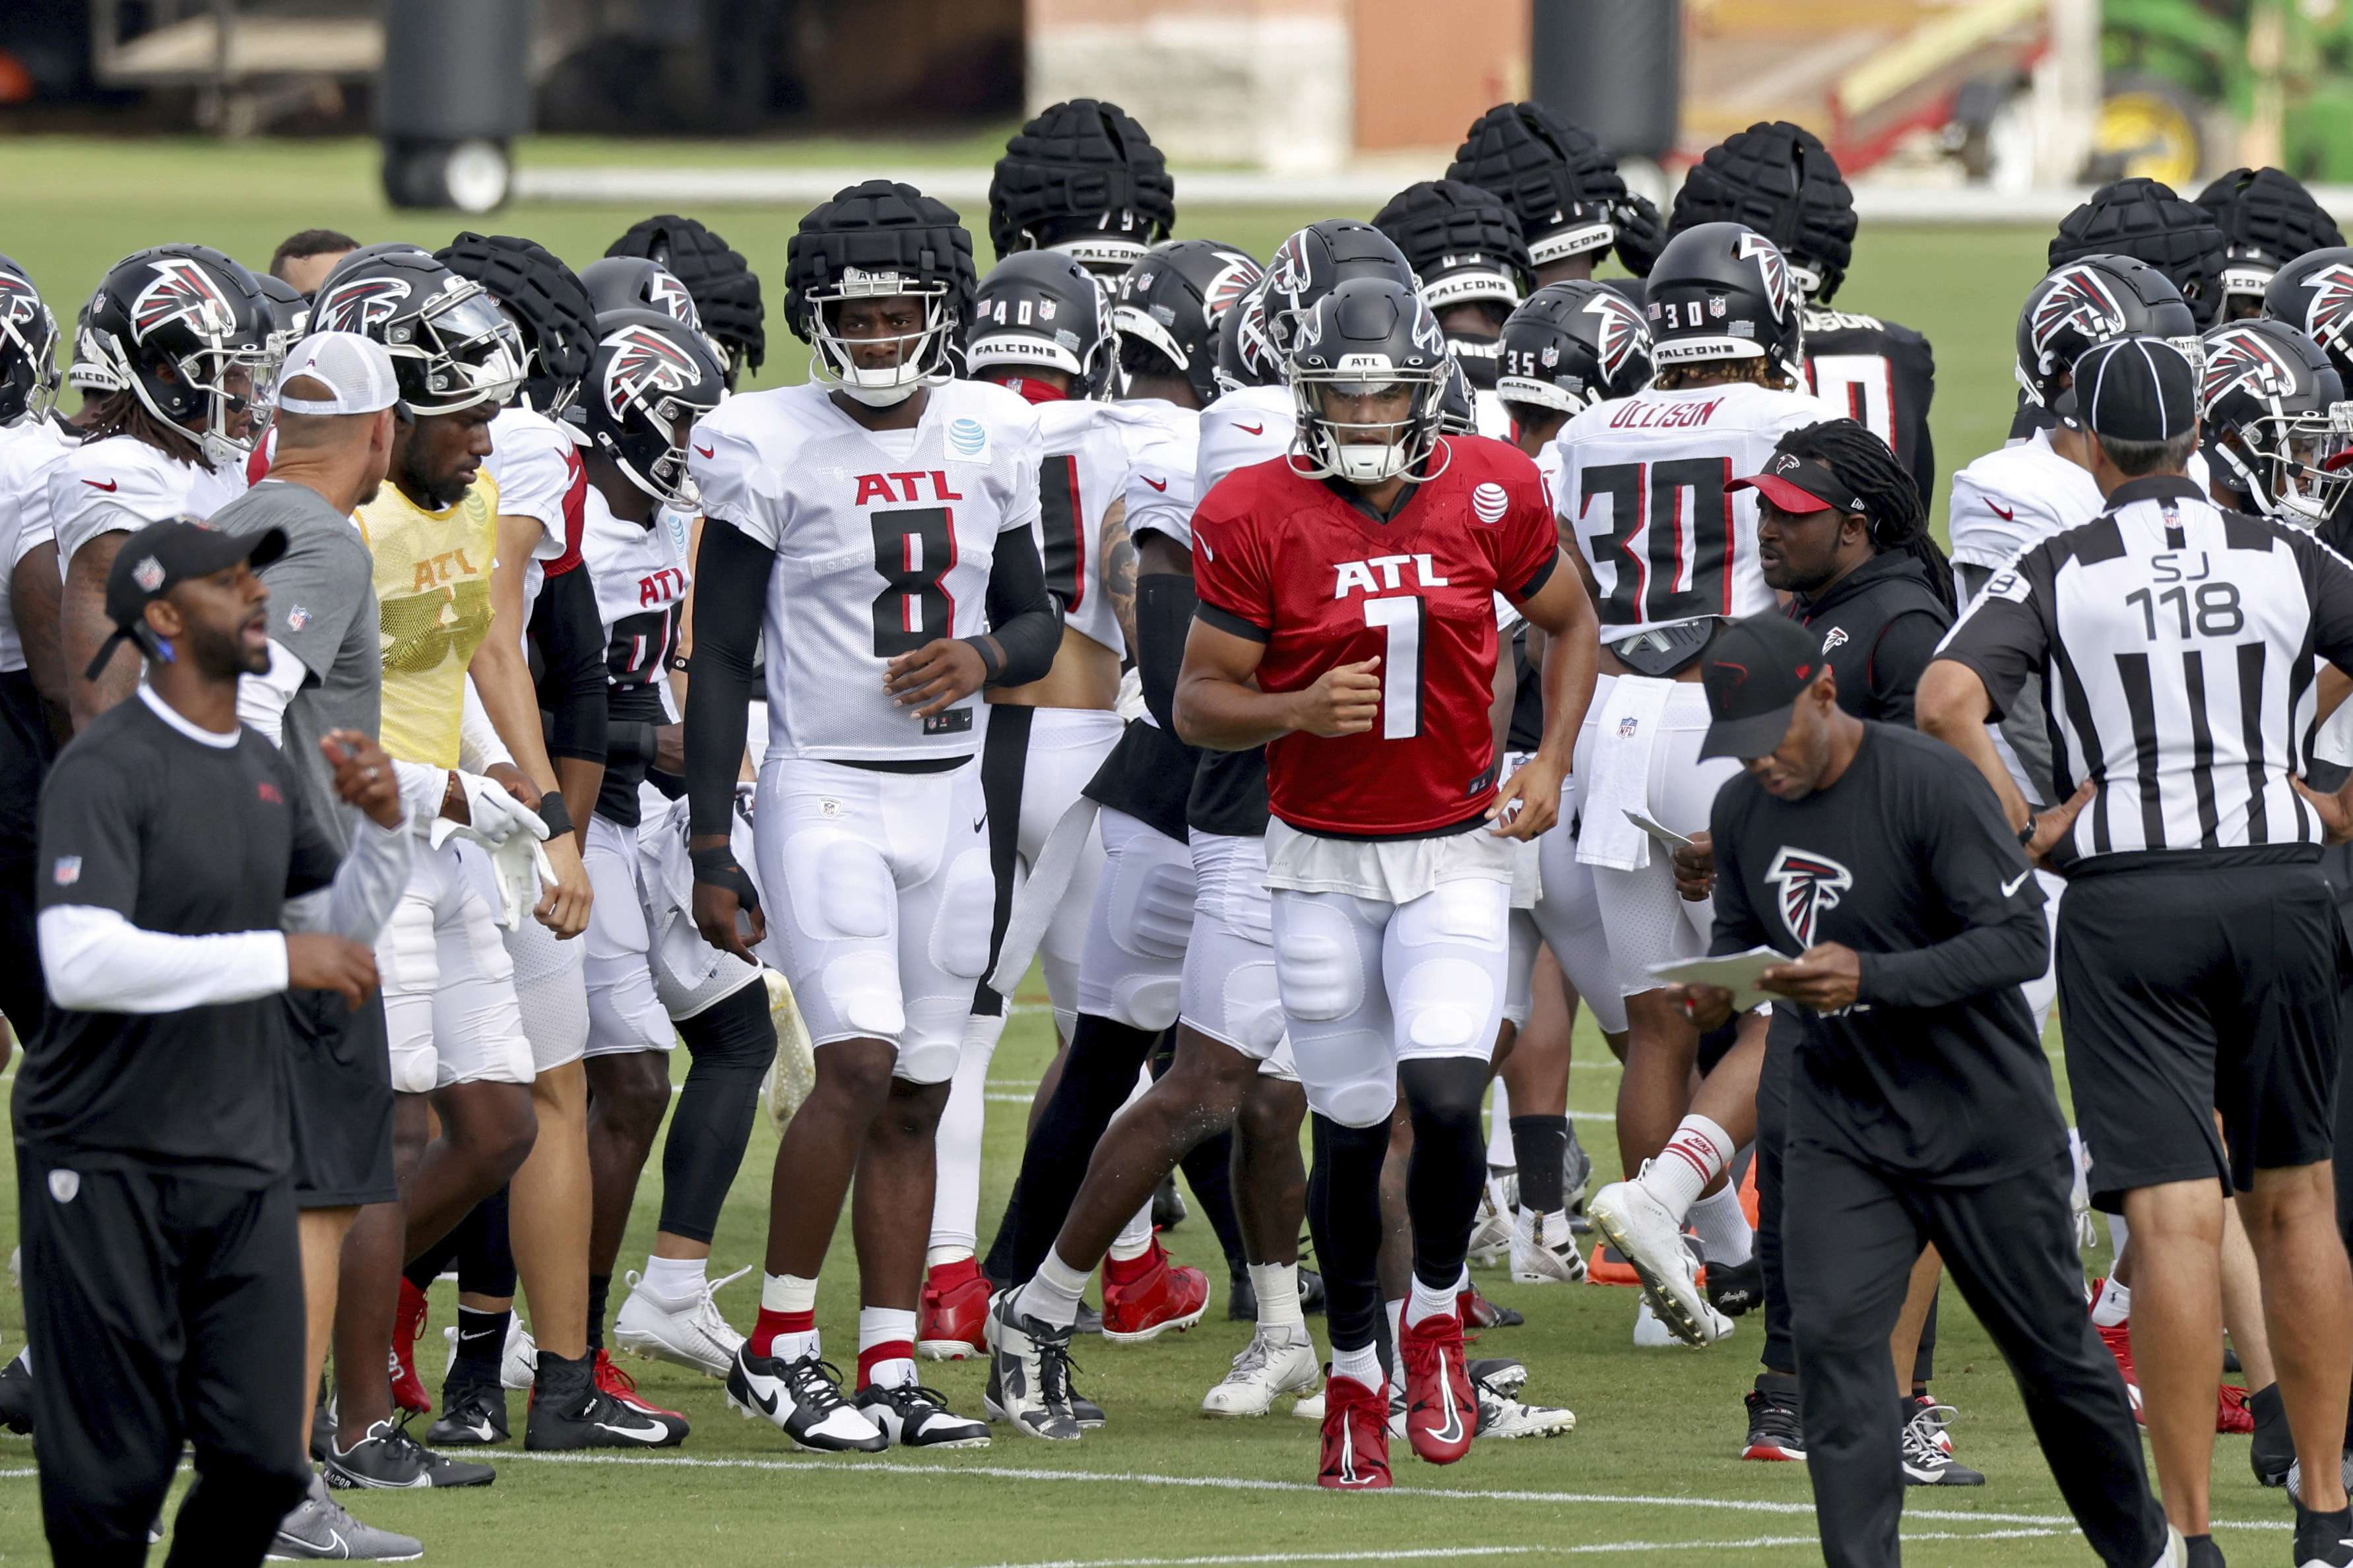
(1799, 484)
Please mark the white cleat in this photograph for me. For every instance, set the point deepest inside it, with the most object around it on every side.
(689, 1333)
(518, 1363)
(1268, 1367)
(1491, 1231)
(1652, 1334)
(1650, 1239)
(1504, 1418)
(1545, 1251)
(1310, 1406)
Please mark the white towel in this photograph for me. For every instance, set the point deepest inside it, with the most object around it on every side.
(1631, 723)
(1042, 894)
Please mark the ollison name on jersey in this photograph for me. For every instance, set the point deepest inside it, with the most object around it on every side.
(1637, 415)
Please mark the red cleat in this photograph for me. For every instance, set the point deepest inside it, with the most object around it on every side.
(2232, 1416)
(952, 1313)
(408, 1388)
(1478, 1312)
(1356, 1437)
(612, 1380)
(2117, 1337)
(1161, 1297)
(1441, 1415)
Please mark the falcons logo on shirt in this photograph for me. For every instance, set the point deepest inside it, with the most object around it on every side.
(2238, 358)
(18, 304)
(1621, 331)
(644, 361)
(356, 306)
(2078, 297)
(1773, 268)
(183, 291)
(2329, 316)
(1809, 884)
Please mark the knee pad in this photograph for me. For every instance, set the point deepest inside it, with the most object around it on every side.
(1144, 1001)
(840, 889)
(1152, 908)
(1318, 965)
(1361, 1102)
(1254, 1007)
(413, 1069)
(861, 986)
(967, 912)
(933, 1040)
(1447, 1006)
(1469, 913)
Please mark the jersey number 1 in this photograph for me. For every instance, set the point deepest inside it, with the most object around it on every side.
(1403, 618)
(913, 551)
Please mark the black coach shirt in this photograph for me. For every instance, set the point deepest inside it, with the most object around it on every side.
(186, 839)
(1935, 1073)
(1880, 626)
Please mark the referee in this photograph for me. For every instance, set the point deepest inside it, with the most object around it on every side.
(1921, 1110)
(163, 1281)
(2200, 950)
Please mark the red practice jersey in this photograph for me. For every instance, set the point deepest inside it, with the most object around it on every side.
(1293, 562)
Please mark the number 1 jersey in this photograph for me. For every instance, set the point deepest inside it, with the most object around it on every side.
(884, 540)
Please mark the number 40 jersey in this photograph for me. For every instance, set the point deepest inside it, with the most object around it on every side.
(884, 540)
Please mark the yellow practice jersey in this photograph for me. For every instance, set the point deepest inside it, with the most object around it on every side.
(433, 585)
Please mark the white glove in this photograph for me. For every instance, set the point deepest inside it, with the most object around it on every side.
(495, 815)
(519, 865)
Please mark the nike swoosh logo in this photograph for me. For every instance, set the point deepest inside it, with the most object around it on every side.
(1452, 1431)
(980, 822)
(650, 1434)
(2015, 883)
(481, 1429)
(706, 451)
(1347, 1453)
(108, 485)
(1156, 484)
(2003, 513)
(1249, 429)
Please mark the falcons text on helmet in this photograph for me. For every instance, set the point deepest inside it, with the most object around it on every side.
(182, 291)
(1809, 884)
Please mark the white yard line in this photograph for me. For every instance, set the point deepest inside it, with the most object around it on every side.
(1423, 1553)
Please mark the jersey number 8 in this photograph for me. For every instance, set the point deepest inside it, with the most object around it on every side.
(913, 551)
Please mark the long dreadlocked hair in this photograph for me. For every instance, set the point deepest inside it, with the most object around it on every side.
(1891, 499)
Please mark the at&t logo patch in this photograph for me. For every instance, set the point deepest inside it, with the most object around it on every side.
(967, 438)
(1489, 502)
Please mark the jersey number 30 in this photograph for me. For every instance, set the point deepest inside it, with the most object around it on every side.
(1681, 571)
(913, 551)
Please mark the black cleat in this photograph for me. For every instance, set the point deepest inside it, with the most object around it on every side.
(1168, 1210)
(1774, 1432)
(2273, 1452)
(1311, 1291)
(16, 1396)
(913, 1416)
(389, 1458)
(2202, 1552)
(471, 1414)
(568, 1411)
(803, 1400)
(2323, 1540)
(1926, 1461)
(1241, 1297)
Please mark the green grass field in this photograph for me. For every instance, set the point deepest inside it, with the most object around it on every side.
(1649, 1475)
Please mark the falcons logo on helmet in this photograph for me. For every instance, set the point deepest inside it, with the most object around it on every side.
(1621, 329)
(669, 296)
(1288, 272)
(183, 290)
(1773, 266)
(1809, 884)
(644, 361)
(1231, 283)
(2329, 315)
(2079, 299)
(18, 303)
(2236, 357)
(359, 304)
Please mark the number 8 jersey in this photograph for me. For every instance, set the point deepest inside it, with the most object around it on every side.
(883, 541)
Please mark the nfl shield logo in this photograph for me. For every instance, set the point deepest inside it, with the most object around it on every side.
(297, 618)
(64, 1184)
(148, 573)
(1627, 726)
(67, 870)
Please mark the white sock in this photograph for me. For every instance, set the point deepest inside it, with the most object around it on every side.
(939, 1257)
(1396, 1310)
(2114, 1306)
(1555, 1224)
(1693, 1157)
(1276, 1285)
(883, 1326)
(955, 1195)
(790, 1294)
(674, 1278)
(1722, 1228)
(1500, 1153)
(1364, 1365)
(1134, 1236)
(2119, 1235)
(1052, 1294)
(1426, 1303)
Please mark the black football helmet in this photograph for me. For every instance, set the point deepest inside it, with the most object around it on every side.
(634, 283)
(1369, 335)
(188, 332)
(2267, 220)
(1042, 309)
(1722, 290)
(2314, 293)
(1573, 346)
(29, 348)
(1464, 246)
(1458, 404)
(1085, 179)
(88, 371)
(649, 378)
(2090, 301)
(726, 290)
(1562, 184)
(452, 348)
(1318, 259)
(1173, 300)
(1246, 353)
(290, 312)
(1779, 180)
(2276, 420)
(875, 240)
(2144, 219)
(546, 300)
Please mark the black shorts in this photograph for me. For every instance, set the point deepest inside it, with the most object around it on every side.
(340, 1073)
(2183, 991)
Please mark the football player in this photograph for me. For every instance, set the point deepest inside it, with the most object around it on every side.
(1573, 206)
(1082, 178)
(2272, 409)
(1780, 181)
(2314, 294)
(184, 333)
(1466, 249)
(724, 290)
(1372, 707)
(1669, 556)
(2267, 220)
(867, 522)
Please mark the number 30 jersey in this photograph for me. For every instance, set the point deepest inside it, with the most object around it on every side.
(1641, 488)
(1295, 564)
(883, 541)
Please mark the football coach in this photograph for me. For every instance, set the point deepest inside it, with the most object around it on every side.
(1921, 1106)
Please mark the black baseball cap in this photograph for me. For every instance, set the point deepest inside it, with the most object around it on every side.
(1754, 671)
(163, 554)
(2137, 388)
(1797, 484)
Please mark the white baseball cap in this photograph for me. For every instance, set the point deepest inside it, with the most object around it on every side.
(356, 370)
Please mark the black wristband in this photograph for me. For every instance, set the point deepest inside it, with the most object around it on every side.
(555, 814)
(991, 662)
(717, 867)
(2026, 833)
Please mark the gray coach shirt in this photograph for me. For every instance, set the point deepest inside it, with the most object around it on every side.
(322, 610)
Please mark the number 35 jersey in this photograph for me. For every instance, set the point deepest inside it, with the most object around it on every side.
(883, 540)
(1299, 565)
(1641, 489)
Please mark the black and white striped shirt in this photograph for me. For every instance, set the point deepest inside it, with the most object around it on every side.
(2177, 645)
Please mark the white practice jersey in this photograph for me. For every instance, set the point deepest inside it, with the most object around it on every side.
(540, 476)
(27, 452)
(1164, 443)
(640, 577)
(2021, 493)
(122, 484)
(1081, 478)
(884, 542)
(1253, 425)
(1641, 485)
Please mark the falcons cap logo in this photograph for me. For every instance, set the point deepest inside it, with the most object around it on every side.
(19, 305)
(1771, 265)
(2237, 358)
(2330, 314)
(356, 306)
(183, 290)
(2078, 299)
(644, 361)
(669, 296)
(1809, 884)
(1619, 332)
